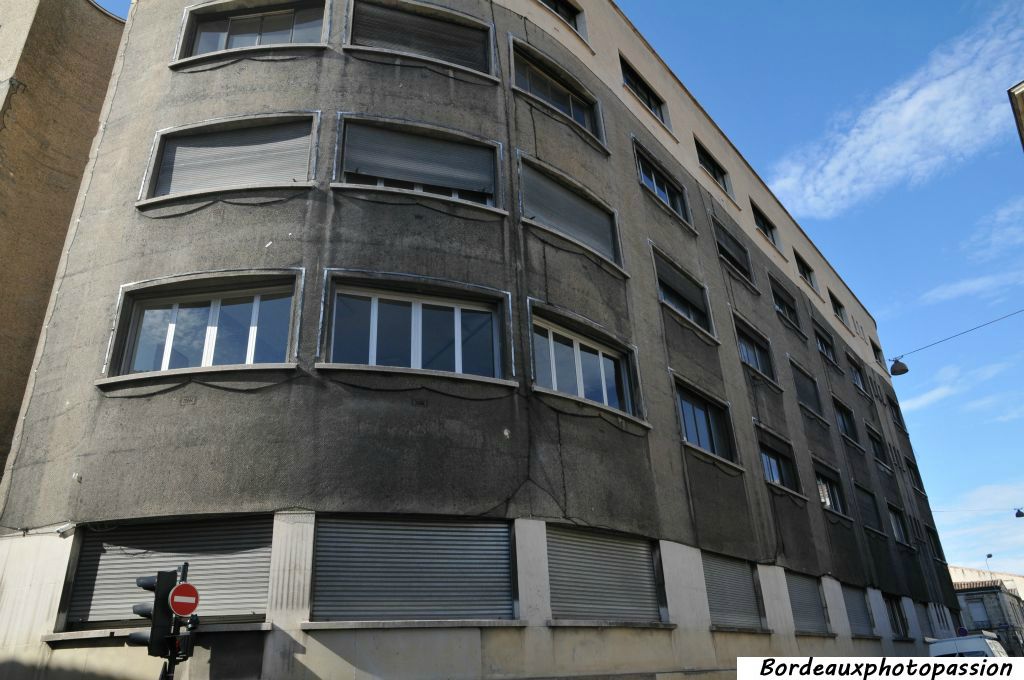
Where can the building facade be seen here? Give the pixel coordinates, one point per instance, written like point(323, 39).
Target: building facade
point(1016, 94)
point(55, 62)
point(992, 606)
point(449, 340)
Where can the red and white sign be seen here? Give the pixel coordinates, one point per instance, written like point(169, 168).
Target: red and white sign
point(184, 599)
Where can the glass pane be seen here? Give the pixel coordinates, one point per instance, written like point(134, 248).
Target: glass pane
point(522, 74)
point(703, 431)
point(277, 29)
point(565, 365)
point(308, 25)
point(478, 343)
point(541, 358)
point(189, 335)
point(394, 333)
point(351, 340)
point(272, 329)
point(151, 338)
point(689, 420)
point(613, 383)
point(233, 331)
point(210, 36)
point(243, 32)
point(722, 444)
point(590, 364)
point(438, 338)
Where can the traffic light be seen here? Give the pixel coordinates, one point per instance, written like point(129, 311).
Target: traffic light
point(159, 612)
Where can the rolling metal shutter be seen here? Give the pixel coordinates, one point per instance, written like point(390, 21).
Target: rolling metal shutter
point(805, 600)
point(732, 596)
point(565, 211)
point(922, 619)
point(600, 576)
point(266, 154)
point(382, 569)
point(857, 611)
point(391, 28)
point(393, 154)
point(229, 562)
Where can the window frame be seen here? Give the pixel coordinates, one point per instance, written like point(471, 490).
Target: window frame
point(935, 543)
point(830, 491)
point(747, 271)
point(723, 410)
point(764, 225)
point(838, 308)
point(820, 411)
point(630, 72)
point(658, 255)
point(876, 437)
point(717, 171)
point(641, 156)
point(747, 334)
point(897, 617)
point(863, 490)
point(843, 414)
point(801, 265)
point(857, 375)
point(898, 524)
point(823, 337)
point(788, 300)
point(578, 24)
point(785, 466)
point(895, 413)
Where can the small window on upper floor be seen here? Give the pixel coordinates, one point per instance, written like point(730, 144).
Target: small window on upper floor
point(806, 389)
point(682, 293)
point(785, 303)
point(838, 308)
point(382, 328)
point(556, 89)
point(754, 350)
point(714, 168)
point(899, 524)
point(644, 92)
point(732, 251)
point(933, 540)
point(897, 617)
point(667, 190)
point(567, 211)
point(569, 13)
point(566, 362)
point(877, 352)
point(779, 468)
point(868, 507)
point(823, 339)
point(878, 449)
point(422, 31)
point(393, 158)
point(846, 421)
point(282, 24)
point(805, 271)
point(706, 424)
point(764, 225)
point(915, 474)
point(830, 491)
point(895, 413)
point(857, 373)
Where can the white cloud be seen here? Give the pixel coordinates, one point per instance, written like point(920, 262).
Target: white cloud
point(930, 397)
point(951, 380)
point(999, 233)
point(988, 286)
point(951, 108)
point(981, 521)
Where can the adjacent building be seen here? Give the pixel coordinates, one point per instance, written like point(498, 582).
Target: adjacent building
point(991, 605)
point(1016, 94)
point(449, 340)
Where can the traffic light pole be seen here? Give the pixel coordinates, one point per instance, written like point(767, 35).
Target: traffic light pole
point(164, 638)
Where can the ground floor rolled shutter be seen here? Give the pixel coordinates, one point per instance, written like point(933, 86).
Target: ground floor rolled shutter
point(923, 620)
point(857, 611)
point(261, 154)
point(732, 595)
point(229, 563)
point(566, 211)
point(389, 569)
point(601, 576)
point(805, 600)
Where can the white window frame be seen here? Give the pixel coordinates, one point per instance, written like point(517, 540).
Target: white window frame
point(210, 341)
point(554, 72)
point(643, 157)
point(416, 325)
point(602, 351)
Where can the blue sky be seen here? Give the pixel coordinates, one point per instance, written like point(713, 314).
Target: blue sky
point(885, 129)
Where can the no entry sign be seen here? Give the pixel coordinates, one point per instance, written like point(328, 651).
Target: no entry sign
point(184, 599)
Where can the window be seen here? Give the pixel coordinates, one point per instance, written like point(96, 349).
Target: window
point(577, 366)
point(546, 84)
point(667, 191)
point(599, 576)
point(733, 593)
point(830, 493)
point(933, 540)
point(249, 326)
point(823, 340)
point(405, 568)
point(895, 413)
point(806, 603)
point(714, 168)
point(806, 389)
point(805, 271)
point(838, 308)
point(915, 474)
point(705, 424)
point(868, 509)
point(764, 225)
point(384, 329)
point(681, 293)
point(899, 525)
point(643, 91)
point(732, 251)
point(897, 617)
point(568, 212)
point(301, 24)
point(754, 351)
point(387, 157)
point(978, 613)
point(857, 610)
point(877, 352)
point(779, 468)
point(857, 373)
point(564, 9)
point(241, 157)
point(846, 421)
point(923, 620)
point(878, 448)
point(785, 303)
point(438, 35)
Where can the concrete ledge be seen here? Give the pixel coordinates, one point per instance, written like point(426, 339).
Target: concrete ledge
point(187, 372)
point(398, 54)
point(420, 623)
point(548, 392)
point(874, 638)
point(811, 633)
point(601, 623)
point(739, 629)
point(426, 195)
point(204, 193)
point(419, 372)
point(244, 52)
point(106, 633)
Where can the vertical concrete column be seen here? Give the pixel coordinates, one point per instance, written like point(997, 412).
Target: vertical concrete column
point(532, 571)
point(686, 595)
point(835, 605)
point(914, 626)
point(288, 600)
point(881, 616)
point(778, 611)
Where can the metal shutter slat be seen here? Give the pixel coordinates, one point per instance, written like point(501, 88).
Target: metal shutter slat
point(398, 155)
point(565, 211)
point(411, 569)
point(732, 597)
point(229, 562)
point(805, 600)
point(597, 576)
point(395, 29)
point(857, 611)
point(267, 154)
